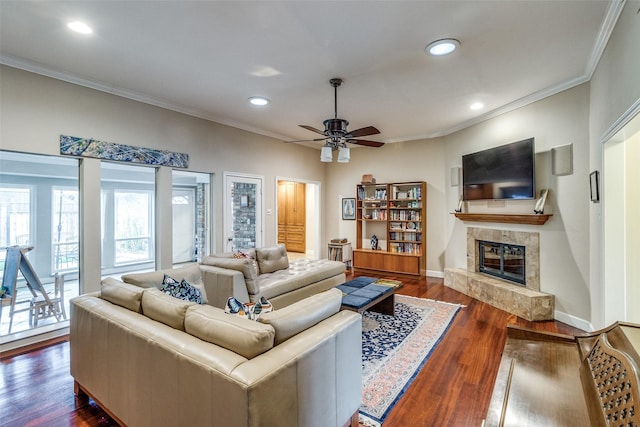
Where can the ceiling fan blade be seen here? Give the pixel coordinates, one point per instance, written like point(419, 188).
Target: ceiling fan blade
point(369, 130)
point(365, 142)
point(312, 129)
point(306, 140)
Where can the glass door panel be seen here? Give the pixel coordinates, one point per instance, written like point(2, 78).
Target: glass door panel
point(243, 212)
point(191, 215)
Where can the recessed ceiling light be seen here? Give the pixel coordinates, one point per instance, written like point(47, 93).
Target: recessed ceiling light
point(477, 106)
point(442, 47)
point(80, 27)
point(259, 101)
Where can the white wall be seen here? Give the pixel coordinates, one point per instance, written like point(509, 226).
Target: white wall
point(420, 160)
point(36, 110)
point(615, 90)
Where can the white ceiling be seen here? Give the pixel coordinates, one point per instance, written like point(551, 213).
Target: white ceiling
point(206, 58)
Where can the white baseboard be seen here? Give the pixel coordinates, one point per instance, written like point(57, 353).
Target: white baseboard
point(433, 273)
point(574, 321)
point(34, 336)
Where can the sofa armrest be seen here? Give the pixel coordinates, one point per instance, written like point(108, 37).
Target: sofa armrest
point(221, 283)
point(322, 364)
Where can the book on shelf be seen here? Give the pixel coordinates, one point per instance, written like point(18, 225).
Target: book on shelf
point(340, 252)
point(339, 240)
point(414, 192)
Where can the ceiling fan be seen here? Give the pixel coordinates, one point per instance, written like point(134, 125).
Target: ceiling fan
point(336, 135)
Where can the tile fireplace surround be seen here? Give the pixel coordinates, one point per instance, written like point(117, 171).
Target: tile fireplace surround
point(523, 301)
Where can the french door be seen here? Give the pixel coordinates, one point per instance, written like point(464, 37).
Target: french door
point(242, 211)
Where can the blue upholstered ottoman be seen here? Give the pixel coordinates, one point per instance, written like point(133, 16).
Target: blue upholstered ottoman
point(369, 293)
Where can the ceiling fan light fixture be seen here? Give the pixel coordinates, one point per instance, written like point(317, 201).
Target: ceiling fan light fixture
point(259, 101)
point(442, 47)
point(344, 155)
point(335, 134)
point(326, 155)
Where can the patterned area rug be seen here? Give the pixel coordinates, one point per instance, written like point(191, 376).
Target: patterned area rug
point(394, 349)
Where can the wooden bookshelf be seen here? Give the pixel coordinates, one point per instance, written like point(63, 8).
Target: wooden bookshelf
point(396, 214)
point(531, 219)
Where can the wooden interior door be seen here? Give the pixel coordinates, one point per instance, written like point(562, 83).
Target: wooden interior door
point(292, 215)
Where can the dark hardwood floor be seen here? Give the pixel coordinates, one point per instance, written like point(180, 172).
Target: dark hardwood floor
point(453, 388)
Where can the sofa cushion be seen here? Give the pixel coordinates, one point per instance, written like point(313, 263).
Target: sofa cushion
point(243, 265)
point(164, 308)
point(181, 289)
point(122, 294)
point(300, 273)
point(242, 336)
point(272, 259)
point(297, 317)
point(153, 279)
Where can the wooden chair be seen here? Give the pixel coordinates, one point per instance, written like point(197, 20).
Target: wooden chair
point(10, 301)
point(40, 308)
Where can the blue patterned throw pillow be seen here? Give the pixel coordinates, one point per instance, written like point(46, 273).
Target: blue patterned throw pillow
point(251, 311)
point(182, 290)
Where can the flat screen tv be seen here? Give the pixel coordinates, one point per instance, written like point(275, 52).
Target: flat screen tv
point(504, 172)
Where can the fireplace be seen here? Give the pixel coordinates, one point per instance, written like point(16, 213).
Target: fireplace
point(528, 242)
point(503, 260)
point(512, 254)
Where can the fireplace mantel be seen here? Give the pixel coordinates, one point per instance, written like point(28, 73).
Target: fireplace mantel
point(532, 219)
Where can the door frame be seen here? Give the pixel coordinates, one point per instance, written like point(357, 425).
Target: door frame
point(192, 213)
point(227, 179)
point(618, 293)
point(313, 217)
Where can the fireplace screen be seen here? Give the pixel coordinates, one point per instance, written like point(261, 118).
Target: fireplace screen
point(502, 260)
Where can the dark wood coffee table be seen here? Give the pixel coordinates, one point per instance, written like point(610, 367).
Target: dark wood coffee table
point(369, 293)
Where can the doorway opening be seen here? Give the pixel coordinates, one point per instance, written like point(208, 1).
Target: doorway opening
point(298, 213)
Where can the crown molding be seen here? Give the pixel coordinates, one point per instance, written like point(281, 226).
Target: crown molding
point(606, 29)
point(22, 64)
point(519, 103)
point(608, 24)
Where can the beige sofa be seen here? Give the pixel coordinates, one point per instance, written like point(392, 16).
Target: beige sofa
point(150, 359)
point(267, 272)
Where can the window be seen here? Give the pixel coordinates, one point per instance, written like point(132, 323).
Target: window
point(15, 217)
point(128, 225)
point(133, 219)
point(39, 208)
